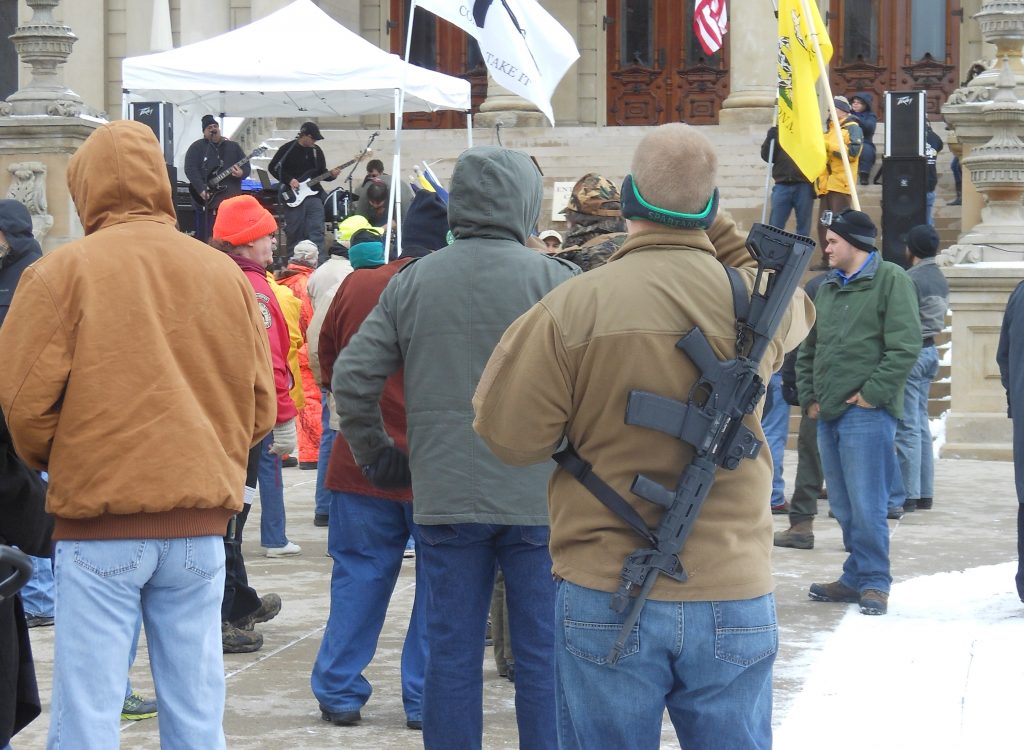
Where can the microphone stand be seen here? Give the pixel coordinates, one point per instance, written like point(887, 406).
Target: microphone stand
point(348, 178)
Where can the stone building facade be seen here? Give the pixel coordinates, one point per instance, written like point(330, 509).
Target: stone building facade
point(639, 61)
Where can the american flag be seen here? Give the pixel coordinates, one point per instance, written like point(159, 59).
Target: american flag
point(710, 22)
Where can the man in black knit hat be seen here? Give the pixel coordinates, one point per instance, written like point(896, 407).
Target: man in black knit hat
point(851, 371)
point(913, 435)
point(206, 157)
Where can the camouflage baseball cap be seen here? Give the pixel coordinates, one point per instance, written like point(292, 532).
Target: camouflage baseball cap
point(594, 195)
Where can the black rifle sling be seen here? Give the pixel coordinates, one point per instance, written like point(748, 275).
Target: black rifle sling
point(570, 460)
point(582, 471)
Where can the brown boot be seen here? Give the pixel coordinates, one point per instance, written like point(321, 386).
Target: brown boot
point(833, 592)
point(798, 536)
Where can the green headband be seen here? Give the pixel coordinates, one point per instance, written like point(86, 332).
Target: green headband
point(635, 207)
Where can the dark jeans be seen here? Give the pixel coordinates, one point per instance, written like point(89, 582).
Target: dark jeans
point(797, 197)
point(203, 219)
point(459, 562)
point(809, 478)
point(305, 222)
point(240, 599)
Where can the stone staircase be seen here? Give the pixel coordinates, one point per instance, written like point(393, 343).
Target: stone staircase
point(566, 153)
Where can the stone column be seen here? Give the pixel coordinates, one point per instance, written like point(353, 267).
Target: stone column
point(989, 120)
point(977, 426)
point(202, 19)
point(510, 110)
point(753, 43)
point(41, 126)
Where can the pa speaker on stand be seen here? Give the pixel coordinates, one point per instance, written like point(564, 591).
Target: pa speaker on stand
point(904, 203)
point(904, 123)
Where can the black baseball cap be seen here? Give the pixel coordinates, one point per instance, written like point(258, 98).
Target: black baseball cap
point(310, 128)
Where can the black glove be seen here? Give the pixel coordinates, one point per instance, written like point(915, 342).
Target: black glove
point(390, 470)
point(789, 395)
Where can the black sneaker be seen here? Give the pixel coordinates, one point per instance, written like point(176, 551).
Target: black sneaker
point(924, 503)
point(910, 505)
point(874, 602)
point(270, 606)
point(237, 641)
point(289, 462)
point(895, 514)
point(414, 724)
point(38, 621)
point(340, 718)
point(321, 519)
point(832, 592)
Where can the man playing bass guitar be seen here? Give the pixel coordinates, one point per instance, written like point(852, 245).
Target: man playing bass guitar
point(292, 164)
point(206, 157)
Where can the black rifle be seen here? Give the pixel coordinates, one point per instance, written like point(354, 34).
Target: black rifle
point(711, 420)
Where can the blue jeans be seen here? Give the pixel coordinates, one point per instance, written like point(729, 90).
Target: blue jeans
point(857, 456)
point(366, 537)
point(272, 520)
point(322, 497)
point(708, 663)
point(775, 423)
point(459, 565)
point(102, 586)
point(797, 197)
point(913, 435)
point(37, 594)
point(931, 205)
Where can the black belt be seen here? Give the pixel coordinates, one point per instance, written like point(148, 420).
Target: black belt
point(928, 341)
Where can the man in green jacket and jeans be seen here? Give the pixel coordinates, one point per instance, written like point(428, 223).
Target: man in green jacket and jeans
point(851, 373)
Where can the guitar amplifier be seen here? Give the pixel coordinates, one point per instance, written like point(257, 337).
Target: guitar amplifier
point(183, 209)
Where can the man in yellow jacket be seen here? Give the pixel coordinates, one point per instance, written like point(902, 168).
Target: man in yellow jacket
point(832, 184)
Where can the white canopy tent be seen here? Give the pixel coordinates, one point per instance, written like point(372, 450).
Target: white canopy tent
point(295, 62)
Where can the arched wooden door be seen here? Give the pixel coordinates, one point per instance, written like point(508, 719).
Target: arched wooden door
point(657, 70)
point(895, 45)
point(438, 45)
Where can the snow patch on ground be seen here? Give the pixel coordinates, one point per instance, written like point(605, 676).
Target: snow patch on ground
point(942, 670)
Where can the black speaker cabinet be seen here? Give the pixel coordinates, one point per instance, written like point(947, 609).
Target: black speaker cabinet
point(904, 123)
point(904, 203)
point(159, 116)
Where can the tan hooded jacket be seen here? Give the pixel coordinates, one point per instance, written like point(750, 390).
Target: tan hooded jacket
point(566, 367)
point(136, 369)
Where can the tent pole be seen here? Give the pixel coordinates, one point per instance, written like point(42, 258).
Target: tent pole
point(124, 104)
point(469, 129)
point(396, 173)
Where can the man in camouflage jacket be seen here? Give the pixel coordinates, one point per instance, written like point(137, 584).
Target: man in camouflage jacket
point(596, 228)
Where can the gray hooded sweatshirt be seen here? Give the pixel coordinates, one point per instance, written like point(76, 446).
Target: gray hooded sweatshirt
point(441, 318)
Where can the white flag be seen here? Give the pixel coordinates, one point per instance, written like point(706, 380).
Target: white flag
point(526, 50)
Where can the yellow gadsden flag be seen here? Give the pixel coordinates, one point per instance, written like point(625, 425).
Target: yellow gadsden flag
point(800, 133)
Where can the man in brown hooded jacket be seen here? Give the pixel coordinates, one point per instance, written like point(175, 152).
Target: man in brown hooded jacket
point(137, 373)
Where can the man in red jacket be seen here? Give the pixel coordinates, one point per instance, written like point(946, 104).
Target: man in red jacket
point(370, 522)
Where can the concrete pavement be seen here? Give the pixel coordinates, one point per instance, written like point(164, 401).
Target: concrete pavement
point(270, 706)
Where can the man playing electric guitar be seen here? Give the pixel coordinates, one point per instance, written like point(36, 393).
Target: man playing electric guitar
point(204, 158)
point(292, 164)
